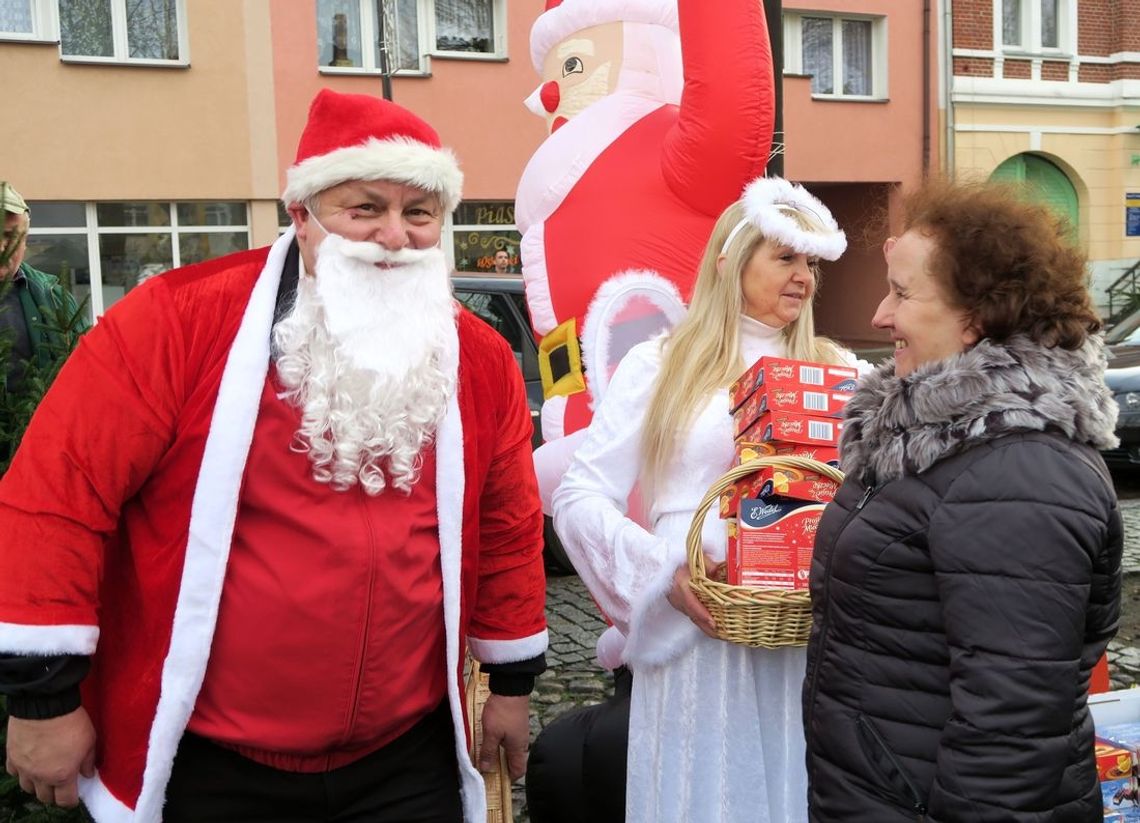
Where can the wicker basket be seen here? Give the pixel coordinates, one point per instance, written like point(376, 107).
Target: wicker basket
point(498, 782)
point(761, 618)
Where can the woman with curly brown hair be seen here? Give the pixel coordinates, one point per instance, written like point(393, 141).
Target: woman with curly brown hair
point(967, 576)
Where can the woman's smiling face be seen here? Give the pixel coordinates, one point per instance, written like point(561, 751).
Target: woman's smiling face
point(924, 326)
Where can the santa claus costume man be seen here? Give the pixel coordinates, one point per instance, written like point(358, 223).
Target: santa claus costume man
point(264, 511)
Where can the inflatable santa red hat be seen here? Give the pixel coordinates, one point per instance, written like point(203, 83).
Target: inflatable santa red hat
point(564, 17)
point(360, 137)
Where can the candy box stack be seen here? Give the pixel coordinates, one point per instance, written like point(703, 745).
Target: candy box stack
point(782, 407)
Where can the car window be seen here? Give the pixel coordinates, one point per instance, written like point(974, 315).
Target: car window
point(496, 311)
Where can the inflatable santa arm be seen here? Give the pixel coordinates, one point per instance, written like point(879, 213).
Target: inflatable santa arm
point(724, 133)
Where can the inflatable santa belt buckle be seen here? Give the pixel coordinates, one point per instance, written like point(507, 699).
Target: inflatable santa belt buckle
point(560, 362)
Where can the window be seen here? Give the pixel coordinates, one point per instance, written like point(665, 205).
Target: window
point(845, 56)
point(27, 20)
point(150, 31)
point(352, 33)
point(1033, 25)
point(106, 249)
point(479, 228)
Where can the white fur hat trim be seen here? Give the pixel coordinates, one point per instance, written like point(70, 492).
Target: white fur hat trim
point(398, 158)
point(556, 24)
point(767, 201)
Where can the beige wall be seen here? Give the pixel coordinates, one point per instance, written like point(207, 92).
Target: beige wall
point(95, 132)
point(1088, 144)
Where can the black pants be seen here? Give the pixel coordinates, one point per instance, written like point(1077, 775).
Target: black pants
point(413, 778)
point(576, 771)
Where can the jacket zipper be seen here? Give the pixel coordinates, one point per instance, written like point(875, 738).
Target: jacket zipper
point(917, 805)
point(827, 609)
point(358, 676)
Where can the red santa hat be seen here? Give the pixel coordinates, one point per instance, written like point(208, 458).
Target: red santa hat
point(360, 137)
point(564, 17)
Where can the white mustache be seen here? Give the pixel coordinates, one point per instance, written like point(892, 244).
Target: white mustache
point(376, 254)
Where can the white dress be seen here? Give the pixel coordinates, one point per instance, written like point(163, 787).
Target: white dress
point(715, 728)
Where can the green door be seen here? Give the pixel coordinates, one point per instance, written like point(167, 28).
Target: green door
point(1046, 184)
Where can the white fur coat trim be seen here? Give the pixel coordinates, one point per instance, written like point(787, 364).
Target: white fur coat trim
point(21, 638)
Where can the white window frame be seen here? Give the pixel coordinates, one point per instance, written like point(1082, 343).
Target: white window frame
point(499, 17)
point(1030, 24)
point(45, 26)
point(92, 231)
point(120, 47)
point(369, 32)
point(793, 51)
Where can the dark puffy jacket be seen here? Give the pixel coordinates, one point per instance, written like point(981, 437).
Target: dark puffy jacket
point(965, 581)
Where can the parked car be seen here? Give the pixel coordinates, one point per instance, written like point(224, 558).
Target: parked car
point(498, 299)
point(1123, 377)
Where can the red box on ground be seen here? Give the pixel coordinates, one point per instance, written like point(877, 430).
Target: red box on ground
point(769, 371)
point(770, 543)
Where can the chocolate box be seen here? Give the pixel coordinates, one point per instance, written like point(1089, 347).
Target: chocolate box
point(770, 543)
point(1112, 760)
point(789, 427)
point(797, 484)
point(816, 402)
point(768, 371)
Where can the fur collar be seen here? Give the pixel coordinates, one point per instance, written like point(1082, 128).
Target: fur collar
point(904, 425)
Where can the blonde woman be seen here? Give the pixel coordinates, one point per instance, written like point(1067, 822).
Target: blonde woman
point(715, 732)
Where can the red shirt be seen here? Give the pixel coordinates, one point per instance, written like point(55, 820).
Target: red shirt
point(330, 636)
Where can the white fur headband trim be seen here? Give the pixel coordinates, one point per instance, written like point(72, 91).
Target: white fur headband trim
point(400, 159)
point(767, 201)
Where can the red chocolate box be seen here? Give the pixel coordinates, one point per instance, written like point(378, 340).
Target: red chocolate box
point(769, 371)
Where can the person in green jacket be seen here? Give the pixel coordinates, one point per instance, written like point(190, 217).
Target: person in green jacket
point(31, 301)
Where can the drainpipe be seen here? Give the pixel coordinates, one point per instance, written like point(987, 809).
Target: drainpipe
point(773, 13)
point(925, 87)
point(947, 81)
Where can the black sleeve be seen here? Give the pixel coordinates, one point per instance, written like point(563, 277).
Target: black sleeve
point(39, 688)
point(514, 679)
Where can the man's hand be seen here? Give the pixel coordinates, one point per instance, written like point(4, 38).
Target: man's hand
point(682, 598)
point(47, 756)
point(506, 723)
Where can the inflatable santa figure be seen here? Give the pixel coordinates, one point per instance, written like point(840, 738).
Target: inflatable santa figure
point(659, 112)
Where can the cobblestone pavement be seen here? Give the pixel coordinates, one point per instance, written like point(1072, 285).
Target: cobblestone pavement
point(575, 679)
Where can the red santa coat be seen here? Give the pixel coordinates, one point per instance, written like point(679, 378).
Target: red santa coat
point(118, 510)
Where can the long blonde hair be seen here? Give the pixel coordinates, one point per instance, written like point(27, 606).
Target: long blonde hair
point(702, 353)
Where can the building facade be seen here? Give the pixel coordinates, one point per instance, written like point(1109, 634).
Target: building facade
point(1048, 92)
point(154, 134)
point(156, 138)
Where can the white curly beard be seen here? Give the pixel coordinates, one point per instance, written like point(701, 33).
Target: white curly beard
point(361, 355)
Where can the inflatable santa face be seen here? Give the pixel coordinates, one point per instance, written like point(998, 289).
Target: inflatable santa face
point(645, 150)
point(579, 71)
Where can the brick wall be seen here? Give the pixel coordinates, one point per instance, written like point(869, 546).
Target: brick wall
point(973, 67)
point(1054, 70)
point(1098, 26)
point(1017, 70)
point(973, 24)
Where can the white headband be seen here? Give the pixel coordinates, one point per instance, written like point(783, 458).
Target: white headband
point(767, 203)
